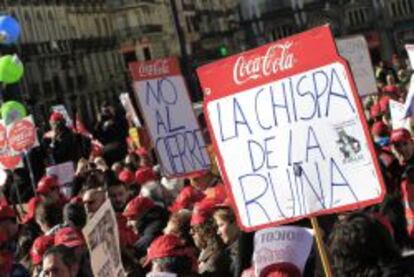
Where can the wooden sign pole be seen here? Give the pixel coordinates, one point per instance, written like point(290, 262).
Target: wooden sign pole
point(321, 247)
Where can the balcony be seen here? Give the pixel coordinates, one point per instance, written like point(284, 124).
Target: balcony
point(138, 31)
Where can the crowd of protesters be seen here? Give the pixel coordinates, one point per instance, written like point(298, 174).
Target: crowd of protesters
point(187, 226)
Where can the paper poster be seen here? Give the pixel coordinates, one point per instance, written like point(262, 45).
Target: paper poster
point(355, 50)
point(409, 100)
point(22, 135)
point(101, 235)
point(289, 131)
point(129, 108)
point(65, 173)
point(398, 119)
point(62, 110)
point(169, 117)
point(285, 244)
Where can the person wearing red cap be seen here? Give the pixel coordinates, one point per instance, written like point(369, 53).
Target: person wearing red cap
point(48, 189)
point(211, 260)
point(119, 195)
point(168, 254)
point(127, 177)
point(147, 220)
point(39, 247)
point(380, 133)
point(402, 146)
point(63, 144)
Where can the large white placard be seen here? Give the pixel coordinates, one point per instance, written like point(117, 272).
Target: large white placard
point(170, 120)
point(355, 50)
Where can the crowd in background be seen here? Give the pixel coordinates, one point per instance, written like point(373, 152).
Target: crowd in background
point(187, 226)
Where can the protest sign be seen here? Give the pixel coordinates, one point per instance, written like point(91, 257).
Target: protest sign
point(8, 160)
point(65, 173)
point(169, 117)
point(21, 135)
point(289, 131)
point(409, 100)
point(62, 110)
point(355, 50)
point(398, 119)
point(101, 235)
point(129, 108)
point(285, 244)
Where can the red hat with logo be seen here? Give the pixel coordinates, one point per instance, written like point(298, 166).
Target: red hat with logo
point(138, 206)
point(31, 209)
point(46, 184)
point(144, 175)
point(69, 237)
point(39, 247)
point(380, 129)
point(281, 270)
point(126, 176)
point(56, 116)
point(202, 211)
point(6, 212)
point(186, 199)
point(400, 135)
point(165, 246)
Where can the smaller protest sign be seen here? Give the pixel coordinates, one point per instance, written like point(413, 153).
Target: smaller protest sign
point(101, 235)
point(355, 50)
point(398, 119)
point(129, 108)
point(62, 110)
point(285, 244)
point(409, 100)
point(21, 135)
point(65, 173)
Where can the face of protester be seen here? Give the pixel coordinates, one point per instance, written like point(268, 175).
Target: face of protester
point(53, 266)
point(118, 196)
point(227, 231)
point(403, 151)
point(92, 200)
point(53, 195)
point(199, 242)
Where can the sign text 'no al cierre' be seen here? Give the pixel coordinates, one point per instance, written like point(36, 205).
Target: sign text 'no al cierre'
point(169, 117)
point(288, 127)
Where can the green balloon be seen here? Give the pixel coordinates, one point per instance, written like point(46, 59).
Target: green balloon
point(11, 69)
point(12, 111)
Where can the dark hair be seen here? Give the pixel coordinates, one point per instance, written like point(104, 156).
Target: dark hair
point(49, 213)
point(74, 214)
point(94, 179)
point(66, 254)
point(208, 232)
point(359, 245)
point(178, 265)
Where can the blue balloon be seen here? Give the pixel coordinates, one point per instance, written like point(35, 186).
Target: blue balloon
point(9, 29)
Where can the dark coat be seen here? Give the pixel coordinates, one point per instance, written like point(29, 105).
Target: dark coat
point(150, 227)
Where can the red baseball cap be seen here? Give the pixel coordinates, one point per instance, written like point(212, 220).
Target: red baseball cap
point(138, 206)
point(31, 209)
point(6, 212)
point(56, 116)
point(145, 174)
point(126, 176)
point(400, 135)
point(46, 184)
point(165, 246)
point(202, 211)
point(281, 270)
point(380, 129)
point(69, 237)
point(39, 247)
point(186, 199)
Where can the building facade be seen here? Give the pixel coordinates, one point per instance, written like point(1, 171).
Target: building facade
point(386, 24)
point(69, 53)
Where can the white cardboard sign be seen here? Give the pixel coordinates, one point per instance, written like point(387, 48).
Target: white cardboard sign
point(169, 117)
point(285, 244)
point(398, 119)
point(129, 108)
point(355, 50)
point(289, 131)
point(102, 237)
point(62, 110)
